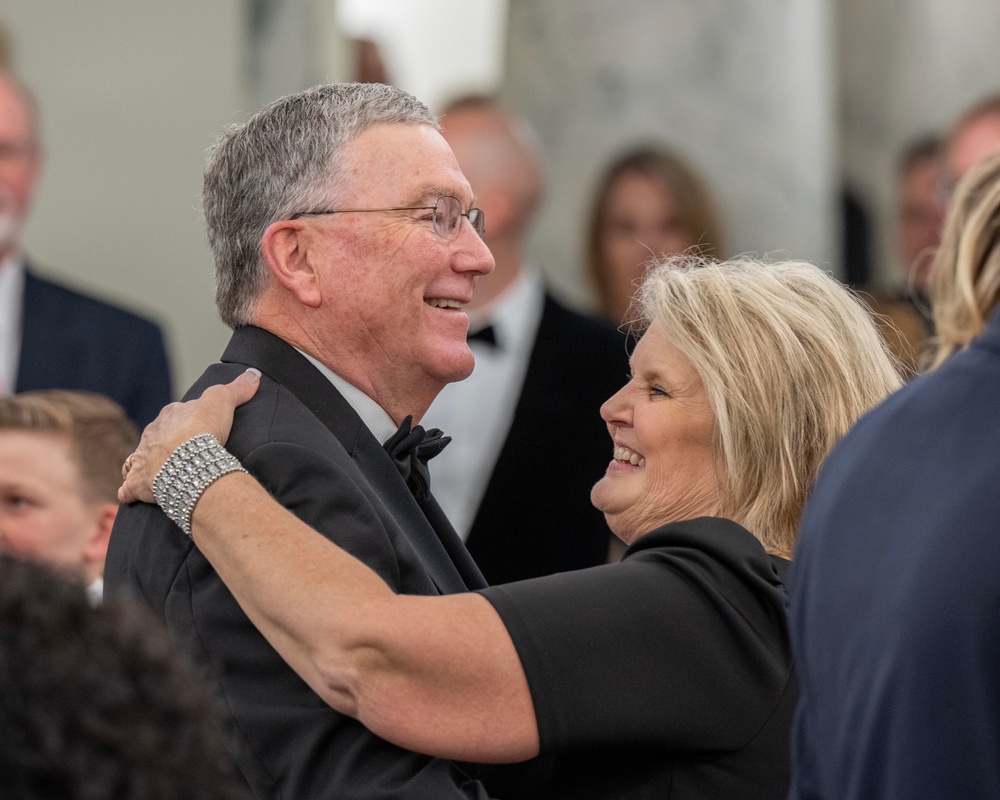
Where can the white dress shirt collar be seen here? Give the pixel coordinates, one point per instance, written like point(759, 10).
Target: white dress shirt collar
point(11, 310)
point(376, 418)
point(95, 592)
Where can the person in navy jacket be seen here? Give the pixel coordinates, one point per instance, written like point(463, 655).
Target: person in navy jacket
point(894, 592)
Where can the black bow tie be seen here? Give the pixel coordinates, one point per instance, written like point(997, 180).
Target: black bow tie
point(411, 450)
point(486, 335)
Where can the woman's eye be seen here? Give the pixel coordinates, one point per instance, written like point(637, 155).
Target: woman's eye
point(658, 391)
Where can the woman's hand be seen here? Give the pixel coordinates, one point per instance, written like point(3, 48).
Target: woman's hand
point(178, 422)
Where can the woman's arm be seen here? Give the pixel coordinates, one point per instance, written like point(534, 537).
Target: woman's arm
point(438, 675)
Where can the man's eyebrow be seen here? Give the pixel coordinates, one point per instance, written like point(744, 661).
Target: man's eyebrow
point(430, 194)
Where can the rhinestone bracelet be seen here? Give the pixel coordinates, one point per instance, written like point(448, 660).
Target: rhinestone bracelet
point(191, 469)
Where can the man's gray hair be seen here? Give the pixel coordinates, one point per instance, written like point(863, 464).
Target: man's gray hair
point(284, 159)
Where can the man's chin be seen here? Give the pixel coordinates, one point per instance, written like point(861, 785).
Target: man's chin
point(459, 366)
point(459, 375)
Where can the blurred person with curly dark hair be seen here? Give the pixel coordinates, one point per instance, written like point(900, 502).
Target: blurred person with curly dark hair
point(96, 703)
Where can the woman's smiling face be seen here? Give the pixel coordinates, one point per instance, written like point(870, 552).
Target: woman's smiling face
point(665, 467)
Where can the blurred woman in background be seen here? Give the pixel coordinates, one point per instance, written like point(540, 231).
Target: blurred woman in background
point(649, 203)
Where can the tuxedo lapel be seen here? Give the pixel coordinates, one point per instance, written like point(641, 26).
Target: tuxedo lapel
point(453, 545)
point(39, 335)
point(432, 536)
point(431, 533)
point(284, 364)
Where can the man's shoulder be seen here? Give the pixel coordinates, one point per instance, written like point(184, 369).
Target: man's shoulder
point(280, 442)
point(69, 303)
point(273, 416)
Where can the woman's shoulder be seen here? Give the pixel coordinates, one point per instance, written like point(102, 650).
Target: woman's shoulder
point(718, 535)
point(711, 542)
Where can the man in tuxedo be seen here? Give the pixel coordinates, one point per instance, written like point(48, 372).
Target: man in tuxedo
point(973, 136)
point(346, 246)
point(52, 337)
point(529, 442)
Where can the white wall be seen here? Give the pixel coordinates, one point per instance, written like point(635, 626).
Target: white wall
point(742, 89)
point(434, 49)
point(131, 95)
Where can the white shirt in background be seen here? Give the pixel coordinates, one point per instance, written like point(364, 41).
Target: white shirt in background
point(11, 306)
point(477, 412)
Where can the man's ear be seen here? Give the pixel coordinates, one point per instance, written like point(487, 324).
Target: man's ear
point(286, 247)
point(95, 551)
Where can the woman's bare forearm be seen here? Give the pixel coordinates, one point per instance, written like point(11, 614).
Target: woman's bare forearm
point(438, 675)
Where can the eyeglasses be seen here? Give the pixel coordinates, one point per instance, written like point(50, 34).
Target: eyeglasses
point(446, 215)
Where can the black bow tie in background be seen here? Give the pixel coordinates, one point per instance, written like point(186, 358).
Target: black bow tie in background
point(486, 335)
point(411, 449)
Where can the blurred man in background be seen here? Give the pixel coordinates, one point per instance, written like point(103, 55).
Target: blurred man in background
point(975, 134)
point(528, 441)
point(920, 212)
point(52, 337)
point(60, 467)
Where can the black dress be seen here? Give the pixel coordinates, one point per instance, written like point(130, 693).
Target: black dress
point(668, 675)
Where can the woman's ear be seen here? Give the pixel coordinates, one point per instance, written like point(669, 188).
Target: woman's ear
point(286, 245)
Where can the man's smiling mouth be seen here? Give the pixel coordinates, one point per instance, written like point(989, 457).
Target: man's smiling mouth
point(443, 302)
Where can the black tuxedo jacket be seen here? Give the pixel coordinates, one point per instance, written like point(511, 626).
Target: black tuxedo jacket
point(308, 447)
point(73, 341)
point(536, 517)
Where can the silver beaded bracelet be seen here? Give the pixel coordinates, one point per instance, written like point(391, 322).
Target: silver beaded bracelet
point(191, 469)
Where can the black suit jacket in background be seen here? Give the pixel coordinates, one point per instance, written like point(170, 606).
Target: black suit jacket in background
point(72, 341)
point(536, 517)
point(308, 447)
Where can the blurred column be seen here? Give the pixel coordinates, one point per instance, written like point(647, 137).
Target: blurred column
point(292, 45)
point(742, 88)
point(6, 49)
point(907, 67)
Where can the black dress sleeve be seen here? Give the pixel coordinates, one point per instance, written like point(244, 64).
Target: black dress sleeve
point(681, 647)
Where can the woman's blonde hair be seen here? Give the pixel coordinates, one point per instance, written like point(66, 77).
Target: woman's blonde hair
point(789, 358)
point(964, 282)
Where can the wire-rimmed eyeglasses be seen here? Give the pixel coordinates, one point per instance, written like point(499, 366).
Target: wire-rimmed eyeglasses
point(446, 215)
